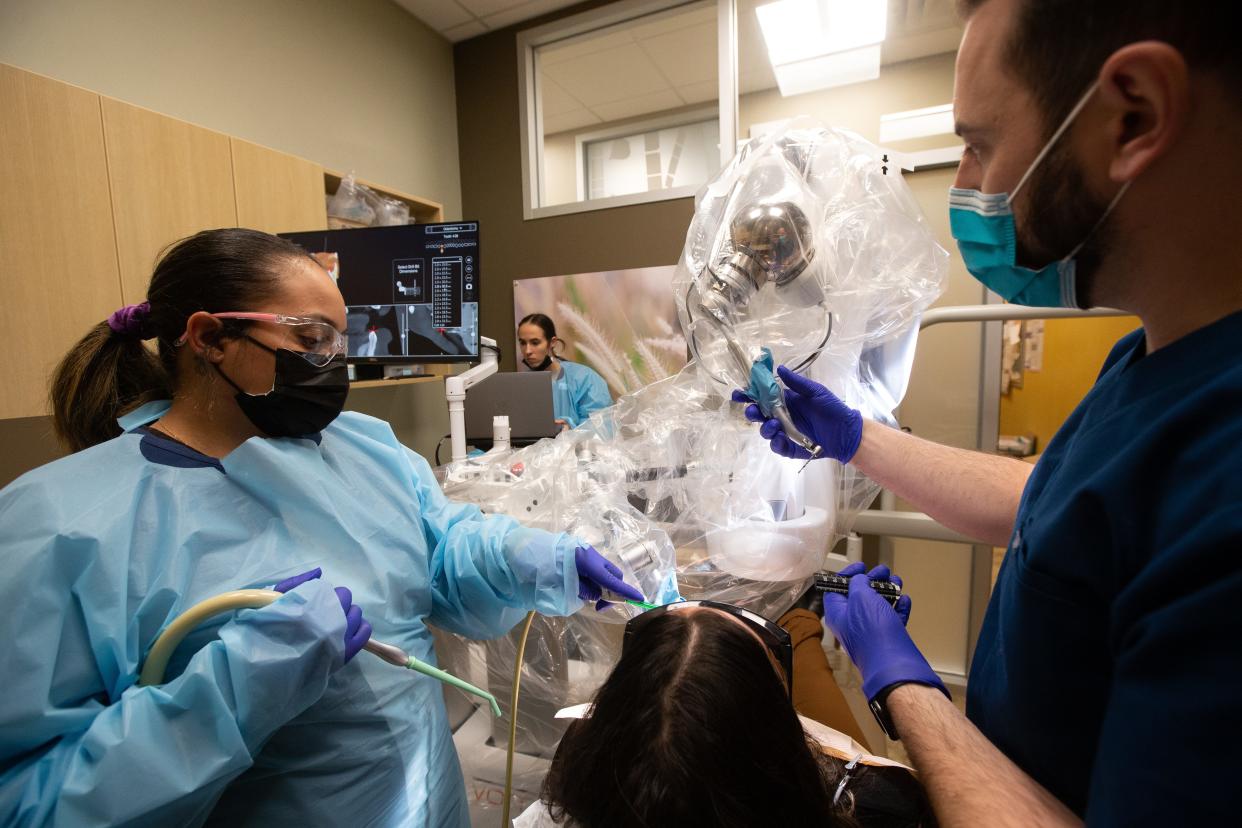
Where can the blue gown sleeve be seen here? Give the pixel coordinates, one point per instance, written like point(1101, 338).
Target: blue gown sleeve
point(487, 571)
point(590, 395)
point(1167, 743)
point(161, 755)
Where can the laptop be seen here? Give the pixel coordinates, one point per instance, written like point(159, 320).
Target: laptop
point(524, 396)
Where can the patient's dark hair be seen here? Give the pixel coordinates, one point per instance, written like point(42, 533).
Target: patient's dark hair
point(693, 727)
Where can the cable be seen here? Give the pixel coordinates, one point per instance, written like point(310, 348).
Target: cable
point(513, 711)
point(162, 650)
point(440, 443)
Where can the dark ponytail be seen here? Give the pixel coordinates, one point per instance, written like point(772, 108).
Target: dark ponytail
point(110, 371)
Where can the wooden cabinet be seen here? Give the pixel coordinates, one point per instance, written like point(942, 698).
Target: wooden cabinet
point(95, 189)
point(277, 193)
point(58, 262)
point(169, 180)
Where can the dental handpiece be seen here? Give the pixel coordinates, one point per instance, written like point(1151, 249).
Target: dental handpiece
point(781, 413)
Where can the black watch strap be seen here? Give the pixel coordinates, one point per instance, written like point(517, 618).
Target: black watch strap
point(879, 709)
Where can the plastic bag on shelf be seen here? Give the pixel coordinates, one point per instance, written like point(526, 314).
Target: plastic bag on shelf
point(389, 212)
point(348, 207)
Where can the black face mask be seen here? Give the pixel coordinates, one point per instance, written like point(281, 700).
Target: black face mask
point(304, 398)
point(543, 366)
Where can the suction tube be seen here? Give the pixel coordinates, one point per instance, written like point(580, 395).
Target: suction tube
point(157, 659)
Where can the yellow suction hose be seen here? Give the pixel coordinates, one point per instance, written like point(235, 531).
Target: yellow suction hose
point(162, 650)
point(513, 709)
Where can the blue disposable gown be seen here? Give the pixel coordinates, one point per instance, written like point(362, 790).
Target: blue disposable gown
point(577, 392)
point(258, 723)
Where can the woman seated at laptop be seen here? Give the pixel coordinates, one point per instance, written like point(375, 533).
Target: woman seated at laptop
point(576, 389)
point(696, 725)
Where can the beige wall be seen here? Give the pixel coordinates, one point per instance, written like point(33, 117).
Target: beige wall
point(560, 164)
point(356, 85)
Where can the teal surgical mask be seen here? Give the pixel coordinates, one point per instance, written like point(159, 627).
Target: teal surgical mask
point(983, 225)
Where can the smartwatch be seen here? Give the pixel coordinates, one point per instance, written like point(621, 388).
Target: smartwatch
point(879, 707)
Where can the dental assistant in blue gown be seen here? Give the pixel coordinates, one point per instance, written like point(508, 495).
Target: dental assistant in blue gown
point(576, 389)
point(233, 467)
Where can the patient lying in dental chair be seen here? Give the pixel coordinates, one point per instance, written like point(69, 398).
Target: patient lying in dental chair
point(717, 716)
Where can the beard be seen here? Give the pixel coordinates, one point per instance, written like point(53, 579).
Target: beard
point(1062, 213)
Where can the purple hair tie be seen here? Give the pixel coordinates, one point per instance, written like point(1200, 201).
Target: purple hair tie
point(131, 320)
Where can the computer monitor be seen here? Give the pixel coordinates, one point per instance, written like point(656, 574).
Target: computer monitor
point(411, 292)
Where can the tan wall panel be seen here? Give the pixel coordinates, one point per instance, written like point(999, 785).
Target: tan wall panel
point(56, 242)
point(169, 180)
point(277, 192)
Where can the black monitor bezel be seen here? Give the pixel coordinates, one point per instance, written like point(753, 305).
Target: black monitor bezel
point(415, 360)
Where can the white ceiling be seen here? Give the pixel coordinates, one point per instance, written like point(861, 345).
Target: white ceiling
point(666, 63)
point(462, 19)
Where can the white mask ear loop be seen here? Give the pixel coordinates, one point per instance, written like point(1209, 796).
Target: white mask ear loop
point(1052, 142)
point(1103, 216)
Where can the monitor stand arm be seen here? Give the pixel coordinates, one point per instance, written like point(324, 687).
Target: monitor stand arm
point(455, 388)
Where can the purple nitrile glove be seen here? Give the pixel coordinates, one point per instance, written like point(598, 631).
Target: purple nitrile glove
point(357, 629)
point(874, 633)
point(297, 580)
point(595, 572)
point(817, 412)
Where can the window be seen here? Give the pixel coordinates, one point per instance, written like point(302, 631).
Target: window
point(621, 106)
point(673, 157)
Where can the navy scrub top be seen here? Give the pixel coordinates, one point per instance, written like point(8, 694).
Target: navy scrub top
point(1109, 666)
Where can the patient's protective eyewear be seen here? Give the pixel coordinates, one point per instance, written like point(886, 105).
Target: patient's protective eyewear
point(776, 639)
point(314, 340)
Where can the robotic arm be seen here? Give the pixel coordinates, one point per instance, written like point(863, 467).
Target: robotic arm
point(766, 243)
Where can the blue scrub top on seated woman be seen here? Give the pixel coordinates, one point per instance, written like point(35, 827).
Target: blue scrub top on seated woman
point(577, 392)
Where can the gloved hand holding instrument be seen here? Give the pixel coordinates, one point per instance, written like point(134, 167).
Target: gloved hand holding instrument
point(357, 629)
point(599, 580)
point(357, 633)
point(816, 412)
point(874, 635)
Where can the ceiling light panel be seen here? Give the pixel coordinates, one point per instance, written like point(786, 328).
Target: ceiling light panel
point(827, 71)
point(796, 30)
